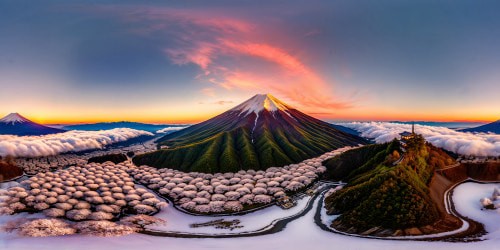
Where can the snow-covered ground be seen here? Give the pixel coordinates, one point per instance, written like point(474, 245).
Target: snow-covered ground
point(466, 197)
point(180, 222)
point(299, 234)
point(9, 184)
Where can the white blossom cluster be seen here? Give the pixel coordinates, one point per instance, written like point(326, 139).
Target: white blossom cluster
point(57, 227)
point(45, 164)
point(45, 227)
point(91, 192)
point(333, 190)
point(230, 192)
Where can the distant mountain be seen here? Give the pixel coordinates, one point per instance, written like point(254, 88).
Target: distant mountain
point(450, 125)
point(493, 127)
point(153, 128)
point(260, 133)
point(346, 129)
point(16, 124)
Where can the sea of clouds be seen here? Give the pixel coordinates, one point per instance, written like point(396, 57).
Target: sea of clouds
point(71, 141)
point(170, 129)
point(478, 144)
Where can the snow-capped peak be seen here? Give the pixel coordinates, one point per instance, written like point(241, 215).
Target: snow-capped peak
point(261, 102)
point(14, 118)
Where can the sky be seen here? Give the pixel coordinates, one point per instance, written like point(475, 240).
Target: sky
point(186, 61)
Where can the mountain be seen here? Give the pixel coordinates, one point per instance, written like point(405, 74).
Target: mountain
point(257, 134)
point(153, 128)
point(346, 129)
point(493, 127)
point(450, 125)
point(386, 192)
point(16, 124)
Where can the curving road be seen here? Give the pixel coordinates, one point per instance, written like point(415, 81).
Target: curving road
point(275, 226)
point(471, 232)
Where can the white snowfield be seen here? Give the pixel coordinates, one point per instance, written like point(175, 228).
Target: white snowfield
point(180, 222)
point(466, 198)
point(299, 234)
point(14, 118)
point(261, 102)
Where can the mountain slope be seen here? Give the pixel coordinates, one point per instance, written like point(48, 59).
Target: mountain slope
point(259, 133)
point(9, 170)
point(16, 124)
point(381, 195)
point(153, 128)
point(493, 127)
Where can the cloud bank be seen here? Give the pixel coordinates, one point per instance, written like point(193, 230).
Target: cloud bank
point(34, 146)
point(169, 129)
point(480, 144)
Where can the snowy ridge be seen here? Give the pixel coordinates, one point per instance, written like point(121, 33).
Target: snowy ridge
point(260, 102)
point(14, 118)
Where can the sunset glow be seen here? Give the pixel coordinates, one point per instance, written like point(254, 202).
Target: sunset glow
point(245, 124)
point(183, 63)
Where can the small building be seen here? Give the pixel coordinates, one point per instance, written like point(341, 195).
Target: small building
point(311, 191)
point(286, 202)
point(406, 136)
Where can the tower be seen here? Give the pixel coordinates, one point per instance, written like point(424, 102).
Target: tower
point(413, 128)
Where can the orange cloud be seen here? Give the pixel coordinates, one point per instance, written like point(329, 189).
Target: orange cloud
point(269, 53)
point(306, 94)
point(227, 49)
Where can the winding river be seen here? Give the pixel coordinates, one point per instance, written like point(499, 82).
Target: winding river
point(470, 230)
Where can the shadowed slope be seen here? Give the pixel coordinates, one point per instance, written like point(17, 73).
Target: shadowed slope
point(259, 133)
point(381, 195)
point(493, 127)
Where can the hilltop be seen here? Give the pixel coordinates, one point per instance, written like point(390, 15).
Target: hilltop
point(259, 133)
point(385, 198)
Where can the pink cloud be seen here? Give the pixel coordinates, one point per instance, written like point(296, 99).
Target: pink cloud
point(207, 39)
point(307, 95)
point(200, 55)
point(270, 53)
